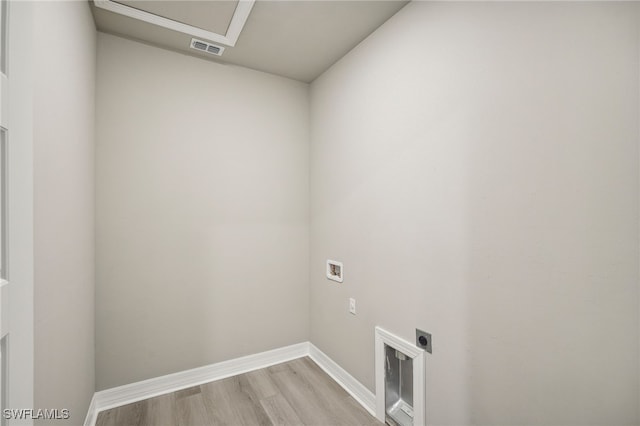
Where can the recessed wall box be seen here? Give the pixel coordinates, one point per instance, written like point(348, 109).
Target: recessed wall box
point(400, 381)
point(335, 270)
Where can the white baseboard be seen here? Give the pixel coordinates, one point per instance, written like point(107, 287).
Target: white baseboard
point(92, 413)
point(357, 390)
point(122, 395)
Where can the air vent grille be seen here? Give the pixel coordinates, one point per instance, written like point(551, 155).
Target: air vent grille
point(199, 45)
point(205, 47)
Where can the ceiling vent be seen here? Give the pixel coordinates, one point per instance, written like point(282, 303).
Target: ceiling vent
point(205, 47)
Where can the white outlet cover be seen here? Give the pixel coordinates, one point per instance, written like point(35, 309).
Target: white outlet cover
point(335, 270)
point(352, 305)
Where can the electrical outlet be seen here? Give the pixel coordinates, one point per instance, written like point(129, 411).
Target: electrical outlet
point(423, 340)
point(352, 305)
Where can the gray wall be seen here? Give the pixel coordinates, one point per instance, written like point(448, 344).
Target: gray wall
point(475, 167)
point(202, 212)
point(64, 133)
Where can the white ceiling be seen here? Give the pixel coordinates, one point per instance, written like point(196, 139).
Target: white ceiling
point(294, 39)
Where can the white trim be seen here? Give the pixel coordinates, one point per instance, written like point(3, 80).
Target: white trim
point(4, 309)
point(20, 193)
point(399, 343)
point(138, 391)
point(357, 390)
point(384, 337)
point(92, 413)
point(240, 16)
point(4, 100)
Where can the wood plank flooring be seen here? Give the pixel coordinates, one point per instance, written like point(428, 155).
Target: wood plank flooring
point(294, 393)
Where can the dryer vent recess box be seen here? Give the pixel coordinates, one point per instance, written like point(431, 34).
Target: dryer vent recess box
point(335, 270)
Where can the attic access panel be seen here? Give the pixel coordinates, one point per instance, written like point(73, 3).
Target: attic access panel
point(214, 16)
point(195, 20)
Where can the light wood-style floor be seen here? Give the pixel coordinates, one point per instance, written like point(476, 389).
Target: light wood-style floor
point(297, 392)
